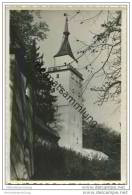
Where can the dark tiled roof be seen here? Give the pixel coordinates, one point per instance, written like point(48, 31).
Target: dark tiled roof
point(65, 48)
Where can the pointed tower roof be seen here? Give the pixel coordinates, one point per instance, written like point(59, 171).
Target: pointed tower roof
point(65, 48)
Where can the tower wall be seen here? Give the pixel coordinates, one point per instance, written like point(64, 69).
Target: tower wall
point(64, 60)
point(70, 119)
point(70, 79)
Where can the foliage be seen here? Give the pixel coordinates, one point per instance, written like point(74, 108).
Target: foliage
point(103, 139)
point(63, 164)
point(23, 29)
point(23, 33)
point(28, 63)
point(44, 101)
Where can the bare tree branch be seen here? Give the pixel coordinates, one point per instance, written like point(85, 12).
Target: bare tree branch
point(91, 17)
point(108, 41)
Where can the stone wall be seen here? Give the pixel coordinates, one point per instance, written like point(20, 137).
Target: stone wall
point(21, 149)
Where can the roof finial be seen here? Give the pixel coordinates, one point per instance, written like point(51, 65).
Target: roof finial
point(66, 31)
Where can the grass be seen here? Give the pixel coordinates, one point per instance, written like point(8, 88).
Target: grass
point(62, 164)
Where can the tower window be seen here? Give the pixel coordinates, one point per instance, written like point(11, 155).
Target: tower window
point(77, 80)
point(57, 76)
point(73, 91)
point(79, 95)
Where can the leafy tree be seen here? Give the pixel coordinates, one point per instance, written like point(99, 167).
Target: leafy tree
point(44, 101)
point(23, 29)
point(103, 139)
point(106, 44)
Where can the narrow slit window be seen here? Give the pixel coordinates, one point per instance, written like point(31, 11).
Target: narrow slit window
point(57, 76)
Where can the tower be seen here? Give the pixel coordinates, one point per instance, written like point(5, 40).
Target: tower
point(70, 81)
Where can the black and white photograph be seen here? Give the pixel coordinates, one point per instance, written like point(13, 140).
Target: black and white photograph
point(66, 94)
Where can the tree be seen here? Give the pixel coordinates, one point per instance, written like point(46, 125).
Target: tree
point(103, 139)
point(44, 101)
point(24, 30)
point(108, 44)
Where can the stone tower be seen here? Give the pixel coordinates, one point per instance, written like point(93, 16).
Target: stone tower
point(71, 80)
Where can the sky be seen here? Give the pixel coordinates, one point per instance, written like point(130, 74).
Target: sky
point(108, 113)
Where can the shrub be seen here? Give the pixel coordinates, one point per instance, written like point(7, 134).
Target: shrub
point(63, 164)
